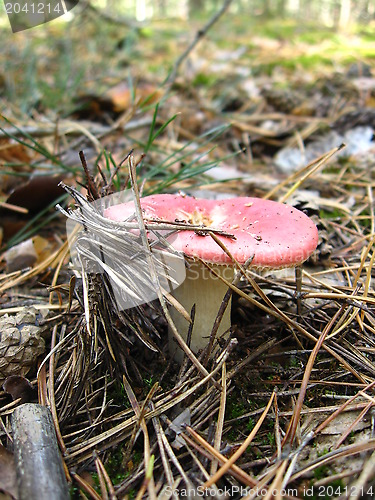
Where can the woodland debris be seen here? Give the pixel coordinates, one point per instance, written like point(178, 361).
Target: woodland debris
point(40, 472)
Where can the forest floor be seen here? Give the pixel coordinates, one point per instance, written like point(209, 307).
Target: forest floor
point(257, 108)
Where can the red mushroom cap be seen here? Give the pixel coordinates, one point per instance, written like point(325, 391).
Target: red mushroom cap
point(276, 234)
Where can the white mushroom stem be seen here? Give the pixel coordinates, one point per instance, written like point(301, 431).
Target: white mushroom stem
point(206, 291)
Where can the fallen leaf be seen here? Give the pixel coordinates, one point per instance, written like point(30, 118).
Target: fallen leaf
point(116, 100)
point(20, 387)
point(121, 95)
point(14, 152)
point(27, 253)
point(37, 193)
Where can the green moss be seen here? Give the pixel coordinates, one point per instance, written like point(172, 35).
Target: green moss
point(321, 472)
point(277, 29)
point(250, 424)
point(314, 37)
point(147, 32)
point(235, 409)
point(204, 80)
point(335, 213)
point(271, 438)
point(294, 362)
point(115, 467)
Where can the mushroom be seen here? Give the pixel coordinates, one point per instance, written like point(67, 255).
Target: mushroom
point(275, 234)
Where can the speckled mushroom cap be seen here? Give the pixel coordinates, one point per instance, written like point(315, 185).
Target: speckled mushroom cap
point(276, 234)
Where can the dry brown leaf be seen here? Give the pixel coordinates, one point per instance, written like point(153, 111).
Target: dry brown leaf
point(14, 152)
point(37, 193)
point(20, 388)
point(122, 98)
point(27, 253)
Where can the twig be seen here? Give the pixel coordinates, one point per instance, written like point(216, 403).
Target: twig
point(198, 36)
point(91, 187)
point(220, 419)
point(40, 471)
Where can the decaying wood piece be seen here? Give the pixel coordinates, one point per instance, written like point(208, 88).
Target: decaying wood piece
point(39, 467)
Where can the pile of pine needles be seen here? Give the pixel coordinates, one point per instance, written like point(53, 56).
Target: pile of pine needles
point(287, 407)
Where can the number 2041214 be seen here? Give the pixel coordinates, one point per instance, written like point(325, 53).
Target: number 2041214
point(33, 8)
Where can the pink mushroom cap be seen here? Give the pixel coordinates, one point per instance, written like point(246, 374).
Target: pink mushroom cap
point(278, 235)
